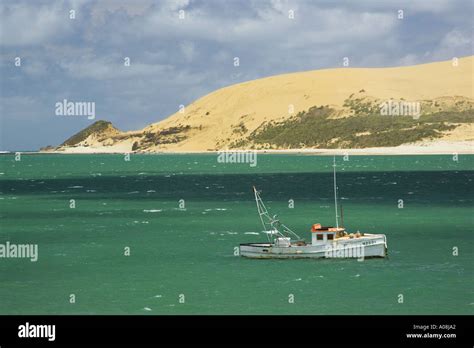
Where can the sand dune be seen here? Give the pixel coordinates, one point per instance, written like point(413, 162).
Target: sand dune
point(212, 119)
point(270, 98)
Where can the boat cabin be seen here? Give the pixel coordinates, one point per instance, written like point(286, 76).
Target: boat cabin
point(323, 234)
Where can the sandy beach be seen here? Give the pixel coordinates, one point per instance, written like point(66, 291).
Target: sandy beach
point(424, 148)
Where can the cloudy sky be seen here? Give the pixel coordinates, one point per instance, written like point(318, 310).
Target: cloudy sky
point(175, 60)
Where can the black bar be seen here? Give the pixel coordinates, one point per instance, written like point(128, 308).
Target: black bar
point(242, 330)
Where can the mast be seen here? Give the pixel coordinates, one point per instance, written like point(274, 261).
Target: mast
point(342, 215)
point(262, 211)
point(335, 191)
point(271, 224)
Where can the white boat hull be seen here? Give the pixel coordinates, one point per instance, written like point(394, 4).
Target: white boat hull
point(368, 246)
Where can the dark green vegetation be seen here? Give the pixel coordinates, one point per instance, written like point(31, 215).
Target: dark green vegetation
point(169, 135)
point(361, 106)
point(103, 129)
point(315, 128)
point(240, 128)
point(97, 127)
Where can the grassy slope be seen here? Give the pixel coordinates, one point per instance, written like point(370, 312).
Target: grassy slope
point(97, 127)
point(315, 128)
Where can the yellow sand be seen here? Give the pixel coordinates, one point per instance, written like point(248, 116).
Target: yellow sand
point(214, 116)
point(271, 98)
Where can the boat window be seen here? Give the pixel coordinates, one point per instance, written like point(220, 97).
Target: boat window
point(319, 236)
point(330, 236)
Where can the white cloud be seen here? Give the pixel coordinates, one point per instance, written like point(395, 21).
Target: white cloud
point(409, 59)
point(26, 24)
point(103, 68)
point(454, 44)
point(103, 8)
point(19, 107)
point(188, 50)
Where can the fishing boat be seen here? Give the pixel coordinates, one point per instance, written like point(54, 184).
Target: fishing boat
point(326, 241)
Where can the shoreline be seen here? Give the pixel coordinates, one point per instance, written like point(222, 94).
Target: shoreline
point(437, 148)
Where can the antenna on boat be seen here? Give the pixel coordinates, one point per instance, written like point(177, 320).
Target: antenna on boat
point(335, 191)
point(260, 207)
point(342, 215)
point(271, 225)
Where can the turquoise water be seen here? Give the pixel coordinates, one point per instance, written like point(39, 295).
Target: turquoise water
point(190, 250)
